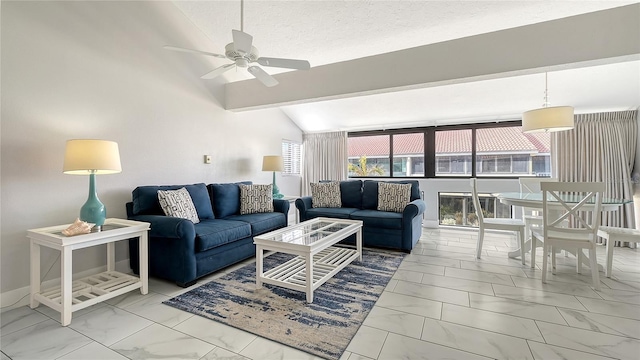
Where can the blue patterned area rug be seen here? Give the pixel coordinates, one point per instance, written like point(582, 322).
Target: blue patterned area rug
point(323, 328)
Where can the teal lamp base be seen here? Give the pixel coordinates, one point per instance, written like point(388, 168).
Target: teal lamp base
point(276, 192)
point(93, 211)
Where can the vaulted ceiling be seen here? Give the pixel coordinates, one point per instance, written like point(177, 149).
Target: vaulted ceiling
point(330, 32)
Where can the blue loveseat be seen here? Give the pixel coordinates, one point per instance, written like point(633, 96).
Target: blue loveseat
point(182, 251)
point(380, 228)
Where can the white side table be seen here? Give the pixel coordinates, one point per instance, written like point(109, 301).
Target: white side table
point(71, 295)
point(292, 205)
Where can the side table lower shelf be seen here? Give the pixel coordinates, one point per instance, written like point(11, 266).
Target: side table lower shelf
point(90, 290)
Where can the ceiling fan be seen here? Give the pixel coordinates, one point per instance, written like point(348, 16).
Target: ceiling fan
point(243, 53)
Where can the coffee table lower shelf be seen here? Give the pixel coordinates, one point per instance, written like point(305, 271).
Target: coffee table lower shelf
point(326, 263)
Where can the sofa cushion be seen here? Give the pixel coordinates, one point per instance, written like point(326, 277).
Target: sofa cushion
point(216, 232)
point(178, 203)
point(393, 197)
point(226, 198)
point(262, 222)
point(370, 192)
point(325, 195)
point(340, 213)
point(256, 199)
point(351, 193)
point(378, 219)
point(145, 199)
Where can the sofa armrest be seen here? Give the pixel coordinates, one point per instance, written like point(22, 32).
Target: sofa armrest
point(281, 206)
point(168, 227)
point(412, 224)
point(171, 249)
point(414, 208)
point(303, 204)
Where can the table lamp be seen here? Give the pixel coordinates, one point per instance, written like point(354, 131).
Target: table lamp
point(92, 157)
point(273, 163)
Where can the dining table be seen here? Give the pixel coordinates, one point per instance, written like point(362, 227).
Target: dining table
point(534, 200)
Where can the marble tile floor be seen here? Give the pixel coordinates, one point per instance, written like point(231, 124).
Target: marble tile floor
point(441, 304)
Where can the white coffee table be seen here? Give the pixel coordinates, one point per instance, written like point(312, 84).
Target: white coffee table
point(316, 261)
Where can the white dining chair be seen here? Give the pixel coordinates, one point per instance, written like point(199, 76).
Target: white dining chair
point(532, 217)
point(494, 224)
point(612, 234)
point(568, 201)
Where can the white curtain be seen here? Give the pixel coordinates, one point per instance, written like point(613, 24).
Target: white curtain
point(601, 148)
point(325, 158)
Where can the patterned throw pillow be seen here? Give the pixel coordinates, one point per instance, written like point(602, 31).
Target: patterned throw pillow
point(326, 195)
point(393, 197)
point(178, 203)
point(256, 199)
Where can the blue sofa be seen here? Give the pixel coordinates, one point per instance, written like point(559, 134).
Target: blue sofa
point(182, 251)
point(380, 228)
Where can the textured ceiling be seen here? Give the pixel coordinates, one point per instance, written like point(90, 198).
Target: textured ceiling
point(326, 32)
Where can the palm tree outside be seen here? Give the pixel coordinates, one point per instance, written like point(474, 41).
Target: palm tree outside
point(363, 169)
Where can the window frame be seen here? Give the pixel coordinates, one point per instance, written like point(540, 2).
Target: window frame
point(430, 161)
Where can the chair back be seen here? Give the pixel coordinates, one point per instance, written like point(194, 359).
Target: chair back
point(578, 202)
point(531, 185)
point(476, 201)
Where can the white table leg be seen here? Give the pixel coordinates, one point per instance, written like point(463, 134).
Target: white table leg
point(309, 282)
point(359, 243)
point(35, 274)
point(259, 266)
point(111, 256)
point(610, 244)
point(66, 285)
point(143, 249)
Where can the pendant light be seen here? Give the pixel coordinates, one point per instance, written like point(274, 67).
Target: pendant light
point(547, 118)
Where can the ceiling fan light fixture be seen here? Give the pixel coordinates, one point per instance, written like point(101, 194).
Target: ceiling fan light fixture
point(548, 118)
point(243, 54)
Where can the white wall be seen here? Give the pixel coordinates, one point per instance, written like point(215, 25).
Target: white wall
point(98, 70)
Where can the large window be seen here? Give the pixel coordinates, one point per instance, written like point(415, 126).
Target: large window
point(369, 156)
point(292, 157)
point(476, 150)
point(453, 152)
point(408, 154)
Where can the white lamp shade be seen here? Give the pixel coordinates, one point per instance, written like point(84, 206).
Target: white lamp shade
point(272, 163)
point(84, 157)
point(558, 118)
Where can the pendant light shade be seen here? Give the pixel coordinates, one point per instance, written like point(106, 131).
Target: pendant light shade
point(547, 118)
point(556, 118)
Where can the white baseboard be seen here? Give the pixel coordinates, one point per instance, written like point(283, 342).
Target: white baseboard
point(20, 297)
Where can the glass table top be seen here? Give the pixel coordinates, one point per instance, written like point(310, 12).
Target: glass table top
point(568, 197)
point(309, 232)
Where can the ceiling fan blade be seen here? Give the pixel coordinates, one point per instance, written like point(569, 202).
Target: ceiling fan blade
point(284, 63)
point(217, 71)
point(175, 48)
point(261, 75)
point(242, 41)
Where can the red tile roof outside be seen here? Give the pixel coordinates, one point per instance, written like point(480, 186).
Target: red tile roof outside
point(489, 141)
